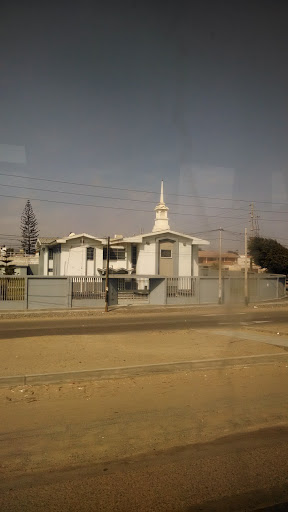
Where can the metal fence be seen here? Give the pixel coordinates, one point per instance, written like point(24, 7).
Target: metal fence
point(181, 287)
point(88, 288)
point(12, 288)
point(129, 290)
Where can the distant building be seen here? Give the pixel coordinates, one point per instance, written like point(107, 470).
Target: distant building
point(230, 261)
point(23, 265)
point(211, 258)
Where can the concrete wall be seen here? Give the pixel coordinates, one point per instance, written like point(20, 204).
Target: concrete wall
point(157, 291)
point(146, 262)
point(87, 303)
point(56, 292)
point(47, 293)
point(185, 255)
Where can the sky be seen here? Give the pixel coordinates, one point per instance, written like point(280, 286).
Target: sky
point(118, 95)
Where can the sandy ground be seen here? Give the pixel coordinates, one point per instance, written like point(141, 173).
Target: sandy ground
point(48, 426)
point(49, 431)
point(48, 354)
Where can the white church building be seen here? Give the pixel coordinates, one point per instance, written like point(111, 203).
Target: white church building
point(162, 252)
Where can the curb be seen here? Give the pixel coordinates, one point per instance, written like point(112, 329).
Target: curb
point(135, 371)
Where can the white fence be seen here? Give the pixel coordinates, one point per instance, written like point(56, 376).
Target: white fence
point(88, 288)
point(12, 288)
point(181, 287)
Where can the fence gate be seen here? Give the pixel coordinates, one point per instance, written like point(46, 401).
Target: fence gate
point(131, 290)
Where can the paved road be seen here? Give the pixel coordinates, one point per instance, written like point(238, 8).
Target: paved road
point(241, 472)
point(16, 328)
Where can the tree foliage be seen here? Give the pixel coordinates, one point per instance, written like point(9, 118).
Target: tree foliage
point(29, 229)
point(269, 254)
point(9, 270)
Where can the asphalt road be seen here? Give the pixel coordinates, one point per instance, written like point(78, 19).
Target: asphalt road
point(20, 328)
point(236, 473)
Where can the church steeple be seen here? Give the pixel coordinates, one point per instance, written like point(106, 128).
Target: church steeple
point(161, 219)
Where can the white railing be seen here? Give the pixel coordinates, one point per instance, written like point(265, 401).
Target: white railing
point(12, 288)
point(88, 288)
point(180, 287)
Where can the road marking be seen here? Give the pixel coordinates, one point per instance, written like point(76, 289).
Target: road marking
point(261, 321)
point(216, 314)
point(225, 314)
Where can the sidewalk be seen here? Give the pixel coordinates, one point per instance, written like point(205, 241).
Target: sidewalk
point(139, 310)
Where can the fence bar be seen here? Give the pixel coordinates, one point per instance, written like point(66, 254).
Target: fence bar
point(12, 288)
point(88, 288)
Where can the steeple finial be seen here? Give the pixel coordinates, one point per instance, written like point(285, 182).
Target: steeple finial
point(162, 193)
point(161, 219)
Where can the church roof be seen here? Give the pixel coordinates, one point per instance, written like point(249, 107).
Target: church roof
point(138, 239)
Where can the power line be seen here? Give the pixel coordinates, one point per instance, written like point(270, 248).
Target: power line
point(117, 207)
point(134, 190)
point(136, 209)
point(121, 198)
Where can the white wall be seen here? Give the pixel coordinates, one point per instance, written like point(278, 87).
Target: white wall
point(195, 265)
point(146, 262)
point(185, 259)
point(99, 259)
point(43, 261)
point(74, 258)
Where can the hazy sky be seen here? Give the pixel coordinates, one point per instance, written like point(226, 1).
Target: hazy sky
point(122, 94)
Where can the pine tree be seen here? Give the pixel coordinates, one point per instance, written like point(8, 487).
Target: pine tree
point(29, 229)
point(9, 270)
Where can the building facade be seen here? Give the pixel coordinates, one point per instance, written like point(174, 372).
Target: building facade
point(74, 255)
point(161, 252)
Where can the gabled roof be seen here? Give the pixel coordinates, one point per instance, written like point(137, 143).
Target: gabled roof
point(138, 239)
point(80, 235)
point(44, 240)
point(56, 240)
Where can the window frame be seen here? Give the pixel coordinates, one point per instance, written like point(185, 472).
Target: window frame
point(90, 251)
point(166, 257)
point(114, 254)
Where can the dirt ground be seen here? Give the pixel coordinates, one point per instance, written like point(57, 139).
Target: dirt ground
point(48, 354)
point(51, 426)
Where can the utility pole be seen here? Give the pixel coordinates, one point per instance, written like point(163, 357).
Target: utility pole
point(107, 276)
point(257, 228)
point(246, 271)
point(220, 268)
point(252, 220)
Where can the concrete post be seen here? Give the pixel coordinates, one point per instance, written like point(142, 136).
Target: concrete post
point(26, 292)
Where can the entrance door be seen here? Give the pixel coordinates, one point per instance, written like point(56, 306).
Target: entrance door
point(166, 263)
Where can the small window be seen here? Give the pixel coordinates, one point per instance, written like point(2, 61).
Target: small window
point(50, 254)
point(90, 253)
point(166, 253)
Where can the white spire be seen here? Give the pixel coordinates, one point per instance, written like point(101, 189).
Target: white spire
point(162, 193)
point(161, 219)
